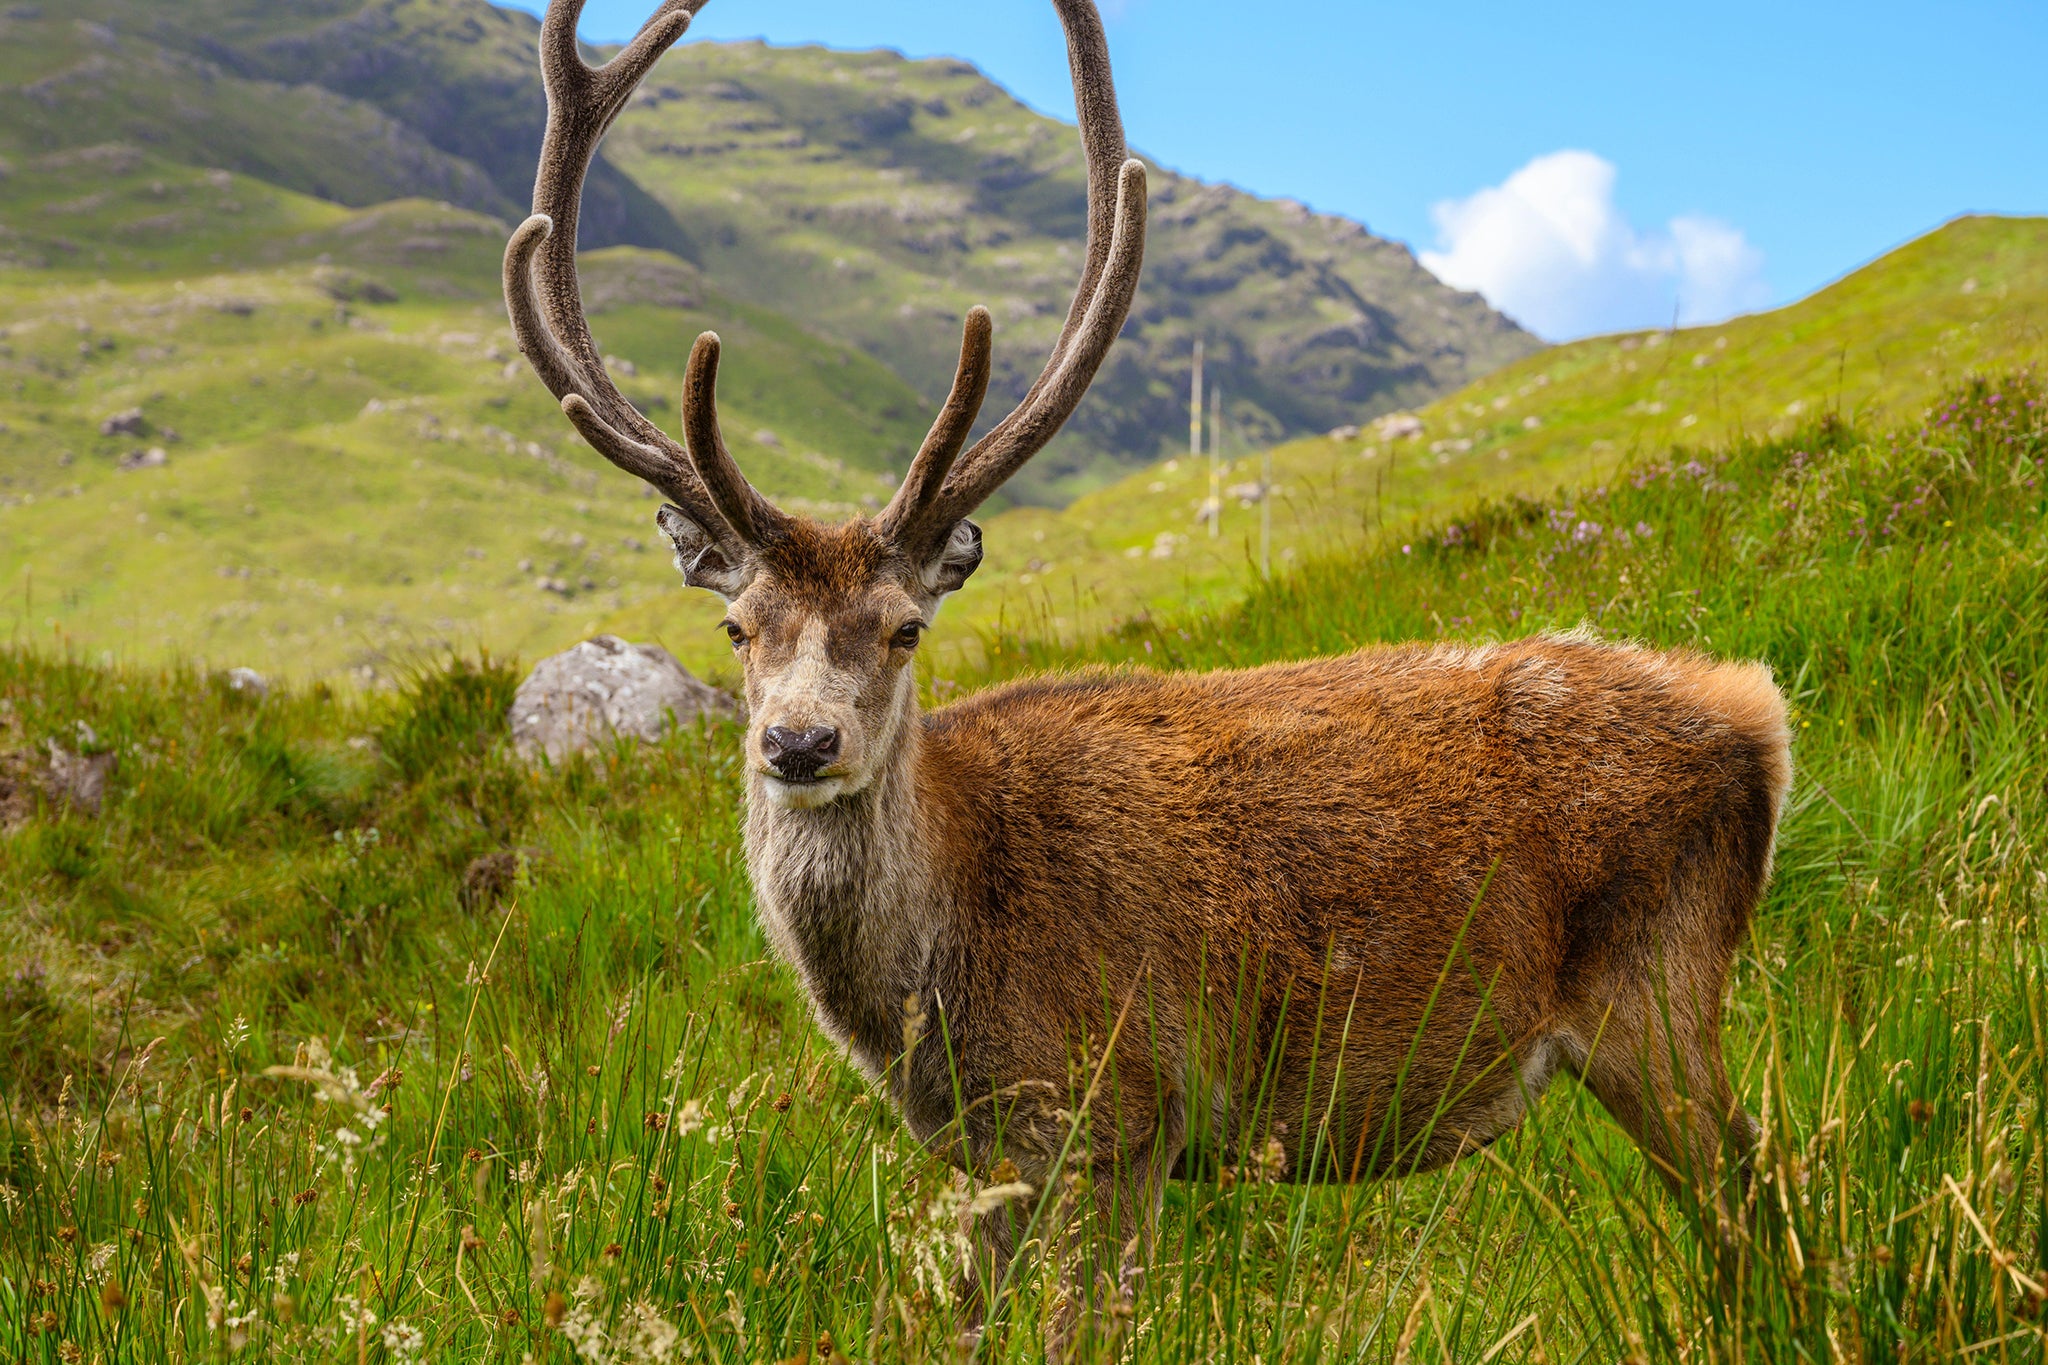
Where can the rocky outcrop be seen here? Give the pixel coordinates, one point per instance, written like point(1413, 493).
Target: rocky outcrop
point(603, 689)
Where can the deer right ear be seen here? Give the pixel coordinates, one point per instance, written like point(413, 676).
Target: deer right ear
point(702, 562)
point(960, 557)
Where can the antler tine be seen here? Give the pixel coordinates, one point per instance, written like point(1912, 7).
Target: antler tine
point(545, 296)
point(752, 517)
point(905, 517)
point(1102, 299)
point(563, 67)
point(1102, 144)
point(582, 103)
point(1065, 380)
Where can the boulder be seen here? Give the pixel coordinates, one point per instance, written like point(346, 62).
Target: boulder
point(603, 688)
point(77, 780)
point(249, 681)
point(129, 423)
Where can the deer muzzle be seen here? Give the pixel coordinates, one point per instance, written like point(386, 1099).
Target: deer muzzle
point(799, 755)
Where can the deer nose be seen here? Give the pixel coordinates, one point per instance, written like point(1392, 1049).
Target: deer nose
point(797, 755)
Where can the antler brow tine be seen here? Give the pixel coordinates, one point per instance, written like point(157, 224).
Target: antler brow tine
point(752, 517)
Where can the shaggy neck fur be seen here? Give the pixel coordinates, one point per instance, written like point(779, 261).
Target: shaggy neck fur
point(847, 895)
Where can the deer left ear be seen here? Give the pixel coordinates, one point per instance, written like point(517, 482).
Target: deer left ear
point(957, 560)
point(703, 563)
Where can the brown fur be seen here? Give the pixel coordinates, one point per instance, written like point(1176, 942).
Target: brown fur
point(1477, 865)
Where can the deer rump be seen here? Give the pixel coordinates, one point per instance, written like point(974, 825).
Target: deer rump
point(1363, 906)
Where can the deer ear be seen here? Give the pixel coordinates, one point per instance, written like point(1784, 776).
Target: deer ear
point(702, 562)
point(957, 560)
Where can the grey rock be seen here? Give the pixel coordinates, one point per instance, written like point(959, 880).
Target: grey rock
point(248, 680)
point(129, 423)
point(587, 695)
point(77, 780)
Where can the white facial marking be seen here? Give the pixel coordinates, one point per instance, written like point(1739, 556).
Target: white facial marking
point(809, 691)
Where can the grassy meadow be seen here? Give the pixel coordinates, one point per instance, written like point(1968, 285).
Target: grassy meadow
point(339, 1034)
point(356, 467)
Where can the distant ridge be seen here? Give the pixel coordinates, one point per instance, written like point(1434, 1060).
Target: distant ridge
point(871, 197)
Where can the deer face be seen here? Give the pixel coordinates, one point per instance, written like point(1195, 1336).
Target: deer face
point(826, 622)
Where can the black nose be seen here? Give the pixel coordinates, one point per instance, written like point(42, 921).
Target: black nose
point(797, 756)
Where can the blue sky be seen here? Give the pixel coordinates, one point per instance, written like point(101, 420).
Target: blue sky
point(1586, 166)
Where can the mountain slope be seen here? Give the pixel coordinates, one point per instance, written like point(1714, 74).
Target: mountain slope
point(872, 198)
point(880, 198)
point(68, 81)
point(459, 74)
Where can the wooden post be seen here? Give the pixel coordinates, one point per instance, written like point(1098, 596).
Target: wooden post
point(1216, 459)
point(1266, 514)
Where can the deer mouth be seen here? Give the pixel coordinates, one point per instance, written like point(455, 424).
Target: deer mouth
point(799, 773)
point(806, 791)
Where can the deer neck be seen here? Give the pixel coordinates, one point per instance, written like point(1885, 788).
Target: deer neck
point(847, 895)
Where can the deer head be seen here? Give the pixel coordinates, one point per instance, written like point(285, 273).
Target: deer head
point(826, 619)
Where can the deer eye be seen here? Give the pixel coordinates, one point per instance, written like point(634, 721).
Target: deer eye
point(735, 634)
point(907, 636)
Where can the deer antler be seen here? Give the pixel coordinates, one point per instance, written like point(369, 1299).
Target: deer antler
point(942, 486)
point(926, 508)
point(546, 302)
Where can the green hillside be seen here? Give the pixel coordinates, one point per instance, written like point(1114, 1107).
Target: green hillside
point(356, 466)
point(1875, 346)
point(79, 76)
point(871, 198)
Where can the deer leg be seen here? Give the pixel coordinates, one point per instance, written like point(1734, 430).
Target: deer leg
point(1657, 1068)
point(1106, 1230)
point(992, 1242)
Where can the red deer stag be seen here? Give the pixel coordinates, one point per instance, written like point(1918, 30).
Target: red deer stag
point(1348, 915)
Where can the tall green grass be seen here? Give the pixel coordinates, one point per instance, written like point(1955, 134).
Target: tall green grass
point(340, 1034)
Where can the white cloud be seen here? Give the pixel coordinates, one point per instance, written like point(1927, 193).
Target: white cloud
point(1549, 248)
